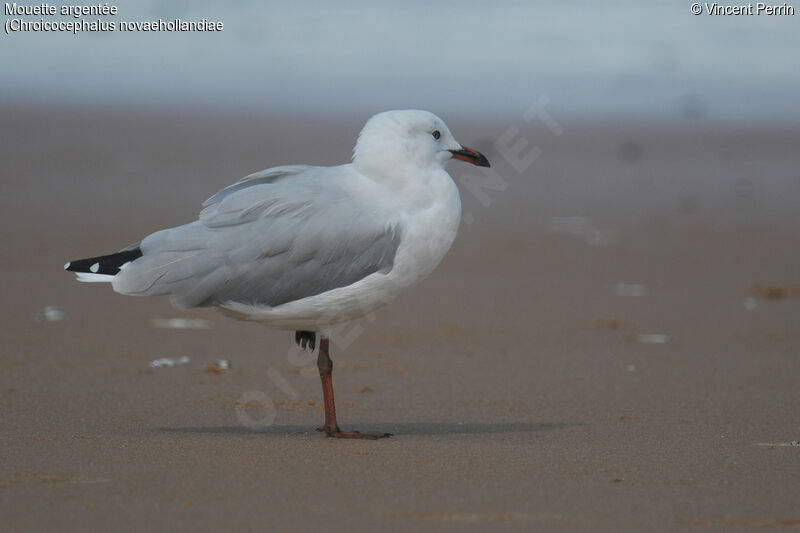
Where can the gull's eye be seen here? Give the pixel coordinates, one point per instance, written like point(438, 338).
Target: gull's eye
point(436, 134)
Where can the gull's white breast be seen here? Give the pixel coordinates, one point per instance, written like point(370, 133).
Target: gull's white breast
point(428, 218)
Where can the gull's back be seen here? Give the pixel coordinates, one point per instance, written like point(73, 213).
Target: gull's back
point(275, 237)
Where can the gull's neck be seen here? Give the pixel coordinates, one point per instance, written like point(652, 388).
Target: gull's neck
point(415, 184)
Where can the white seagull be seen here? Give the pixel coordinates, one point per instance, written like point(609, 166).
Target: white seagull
point(305, 248)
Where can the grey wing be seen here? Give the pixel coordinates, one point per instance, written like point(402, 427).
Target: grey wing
point(268, 244)
point(270, 175)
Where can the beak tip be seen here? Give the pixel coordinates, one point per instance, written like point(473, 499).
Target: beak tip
point(471, 156)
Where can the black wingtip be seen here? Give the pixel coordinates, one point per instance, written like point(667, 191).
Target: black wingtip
point(104, 264)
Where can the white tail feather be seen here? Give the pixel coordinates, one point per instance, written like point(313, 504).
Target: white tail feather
point(88, 277)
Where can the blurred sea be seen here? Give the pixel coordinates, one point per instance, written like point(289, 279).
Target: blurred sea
point(591, 60)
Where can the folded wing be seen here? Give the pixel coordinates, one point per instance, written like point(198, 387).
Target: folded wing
point(266, 241)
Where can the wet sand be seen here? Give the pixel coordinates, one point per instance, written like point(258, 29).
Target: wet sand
point(514, 379)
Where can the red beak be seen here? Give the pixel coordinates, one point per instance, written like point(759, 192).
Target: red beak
point(471, 156)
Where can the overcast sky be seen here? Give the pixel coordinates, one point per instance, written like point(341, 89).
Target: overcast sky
point(634, 59)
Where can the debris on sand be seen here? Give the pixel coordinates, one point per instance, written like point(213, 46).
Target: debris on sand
point(568, 225)
point(51, 313)
point(609, 323)
point(630, 289)
point(181, 323)
point(581, 226)
point(600, 237)
point(365, 390)
point(774, 292)
point(653, 338)
point(219, 366)
point(169, 362)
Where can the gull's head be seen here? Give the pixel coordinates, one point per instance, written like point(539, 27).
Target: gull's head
point(409, 138)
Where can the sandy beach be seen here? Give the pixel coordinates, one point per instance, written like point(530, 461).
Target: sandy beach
point(612, 343)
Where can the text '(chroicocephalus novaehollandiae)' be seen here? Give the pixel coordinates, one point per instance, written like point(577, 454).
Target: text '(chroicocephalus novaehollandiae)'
point(304, 248)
